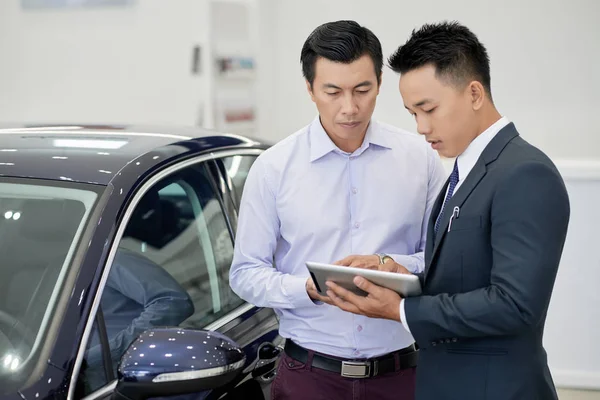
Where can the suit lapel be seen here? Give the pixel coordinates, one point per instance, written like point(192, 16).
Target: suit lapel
point(489, 155)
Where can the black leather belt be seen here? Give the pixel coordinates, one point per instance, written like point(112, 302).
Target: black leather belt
point(356, 368)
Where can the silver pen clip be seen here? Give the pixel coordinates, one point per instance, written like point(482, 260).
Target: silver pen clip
point(454, 215)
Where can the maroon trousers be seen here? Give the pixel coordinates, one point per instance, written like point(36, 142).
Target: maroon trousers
point(299, 381)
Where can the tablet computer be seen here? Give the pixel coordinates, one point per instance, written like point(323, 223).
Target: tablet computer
point(404, 284)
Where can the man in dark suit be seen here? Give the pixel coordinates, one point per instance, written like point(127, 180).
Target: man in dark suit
point(494, 240)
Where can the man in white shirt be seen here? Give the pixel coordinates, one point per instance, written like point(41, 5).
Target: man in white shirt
point(495, 235)
point(344, 184)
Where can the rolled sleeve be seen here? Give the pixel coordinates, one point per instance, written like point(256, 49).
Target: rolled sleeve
point(414, 262)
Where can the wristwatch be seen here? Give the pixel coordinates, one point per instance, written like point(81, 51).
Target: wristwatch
point(383, 258)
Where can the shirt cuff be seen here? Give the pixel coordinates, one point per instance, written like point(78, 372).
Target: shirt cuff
point(409, 262)
point(294, 288)
point(403, 316)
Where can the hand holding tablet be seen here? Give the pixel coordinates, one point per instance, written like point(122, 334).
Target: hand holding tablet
point(404, 284)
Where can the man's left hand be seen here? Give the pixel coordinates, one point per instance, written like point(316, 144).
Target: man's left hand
point(311, 289)
point(356, 261)
point(380, 302)
point(372, 262)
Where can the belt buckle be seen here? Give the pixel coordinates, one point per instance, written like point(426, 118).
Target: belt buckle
point(358, 369)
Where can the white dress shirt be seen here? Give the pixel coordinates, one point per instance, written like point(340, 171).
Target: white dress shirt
point(307, 200)
point(465, 162)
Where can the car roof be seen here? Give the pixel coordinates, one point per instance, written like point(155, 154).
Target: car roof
point(96, 153)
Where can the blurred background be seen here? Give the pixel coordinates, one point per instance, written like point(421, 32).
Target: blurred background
point(233, 65)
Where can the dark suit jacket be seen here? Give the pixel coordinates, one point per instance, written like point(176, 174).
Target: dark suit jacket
point(488, 281)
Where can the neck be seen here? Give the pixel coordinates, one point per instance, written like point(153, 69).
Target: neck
point(347, 145)
point(489, 117)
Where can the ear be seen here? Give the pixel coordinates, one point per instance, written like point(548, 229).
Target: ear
point(477, 94)
point(310, 90)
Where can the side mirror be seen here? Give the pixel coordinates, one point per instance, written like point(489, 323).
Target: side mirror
point(173, 361)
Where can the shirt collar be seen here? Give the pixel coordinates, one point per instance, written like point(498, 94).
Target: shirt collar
point(466, 161)
point(321, 144)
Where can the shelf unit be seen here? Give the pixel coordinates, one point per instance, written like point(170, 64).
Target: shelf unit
point(230, 65)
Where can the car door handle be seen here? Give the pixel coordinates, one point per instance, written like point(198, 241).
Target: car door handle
point(268, 354)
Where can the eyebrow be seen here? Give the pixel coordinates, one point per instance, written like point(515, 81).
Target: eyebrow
point(332, 86)
point(423, 102)
point(420, 103)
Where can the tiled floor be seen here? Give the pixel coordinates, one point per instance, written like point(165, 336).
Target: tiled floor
point(568, 394)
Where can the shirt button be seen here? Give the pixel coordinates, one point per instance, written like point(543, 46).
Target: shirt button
point(354, 190)
point(356, 225)
point(359, 328)
point(356, 352)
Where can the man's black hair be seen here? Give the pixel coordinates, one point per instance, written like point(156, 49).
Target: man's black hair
point(340, 41)
point(454, 51)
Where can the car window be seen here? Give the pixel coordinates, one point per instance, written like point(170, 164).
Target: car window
point(171, 266)
point(237, 168)
point(40, 226)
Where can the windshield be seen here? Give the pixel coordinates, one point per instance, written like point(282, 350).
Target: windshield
point(40, 226)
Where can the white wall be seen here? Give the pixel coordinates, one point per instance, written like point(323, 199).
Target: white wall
point(267, 66)
point(545, 58)
point(101, 65)
point(132, 64)
point(573, 322)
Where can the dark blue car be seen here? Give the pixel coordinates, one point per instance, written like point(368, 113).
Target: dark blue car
point(116, 247)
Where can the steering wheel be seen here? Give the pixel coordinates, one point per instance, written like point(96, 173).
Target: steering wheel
point(23, 331)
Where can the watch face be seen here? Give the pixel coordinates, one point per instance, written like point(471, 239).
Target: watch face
point(385, 259)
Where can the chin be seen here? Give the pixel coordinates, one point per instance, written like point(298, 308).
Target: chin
point(446, 154)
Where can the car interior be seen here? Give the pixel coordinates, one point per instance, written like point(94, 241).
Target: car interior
point(179, 225)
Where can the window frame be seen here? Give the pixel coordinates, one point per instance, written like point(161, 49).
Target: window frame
point(222, 190)
point(229, 179)
point(225, 189)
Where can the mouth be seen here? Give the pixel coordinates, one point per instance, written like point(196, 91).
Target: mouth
point(435, 144)
point(349, 124)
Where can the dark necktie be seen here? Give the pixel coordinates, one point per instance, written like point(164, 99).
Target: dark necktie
point(451, 186)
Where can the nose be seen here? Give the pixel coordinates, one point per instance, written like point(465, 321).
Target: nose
point(423, 126)
point(349, 105)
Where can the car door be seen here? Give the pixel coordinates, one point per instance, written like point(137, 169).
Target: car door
point(263, 338)
point(169, 266)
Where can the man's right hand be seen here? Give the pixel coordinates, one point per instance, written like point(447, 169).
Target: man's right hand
point(311, 289)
